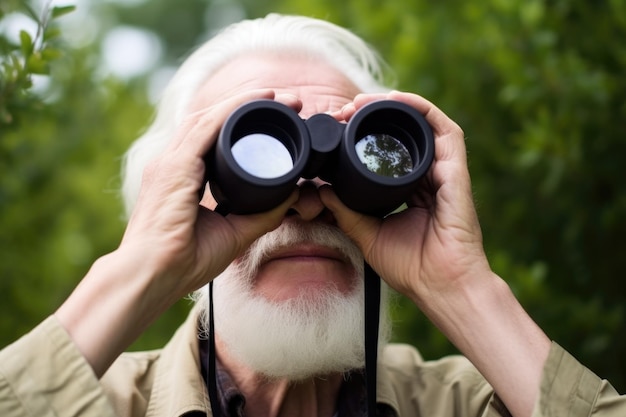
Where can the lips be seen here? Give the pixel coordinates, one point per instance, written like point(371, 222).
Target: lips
point(306, 252)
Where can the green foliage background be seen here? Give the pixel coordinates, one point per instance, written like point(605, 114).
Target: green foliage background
point(538, 87)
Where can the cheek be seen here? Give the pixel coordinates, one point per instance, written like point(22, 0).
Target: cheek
point(207, 199)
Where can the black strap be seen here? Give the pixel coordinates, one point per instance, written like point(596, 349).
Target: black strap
point(372, 318)
point(216, 408)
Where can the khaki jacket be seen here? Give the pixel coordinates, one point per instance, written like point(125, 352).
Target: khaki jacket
point(43, 374)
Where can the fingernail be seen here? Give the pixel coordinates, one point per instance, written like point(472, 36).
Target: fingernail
point(348, 107)
point(287, 96)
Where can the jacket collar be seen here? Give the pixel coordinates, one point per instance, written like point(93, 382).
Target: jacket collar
point(178, 384)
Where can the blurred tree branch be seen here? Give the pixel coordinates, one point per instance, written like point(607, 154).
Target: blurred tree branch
point(19, 61)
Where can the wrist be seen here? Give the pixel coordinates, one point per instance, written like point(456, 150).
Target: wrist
point(113, 304)
point(458, 285)
point(484, 320)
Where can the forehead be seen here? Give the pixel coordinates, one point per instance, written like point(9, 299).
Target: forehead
point(319, 85)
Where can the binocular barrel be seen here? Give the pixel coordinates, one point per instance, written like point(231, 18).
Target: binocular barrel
point(374, 162)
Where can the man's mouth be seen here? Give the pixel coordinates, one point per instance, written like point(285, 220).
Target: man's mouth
point(306, 252)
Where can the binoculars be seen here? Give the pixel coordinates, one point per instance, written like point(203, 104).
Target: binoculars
point(373, 162)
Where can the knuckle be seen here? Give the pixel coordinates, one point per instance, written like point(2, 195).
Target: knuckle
point(458, 130)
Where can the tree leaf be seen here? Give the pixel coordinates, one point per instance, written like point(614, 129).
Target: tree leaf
point(26, 43)
point(37, 65)
point(50, 54)
point(59, 11)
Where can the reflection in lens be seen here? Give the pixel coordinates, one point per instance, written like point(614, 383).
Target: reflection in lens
point(384, 155)
point(262, 155)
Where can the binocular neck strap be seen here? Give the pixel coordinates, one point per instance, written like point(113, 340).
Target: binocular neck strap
point(372, 318)
point(216, 408)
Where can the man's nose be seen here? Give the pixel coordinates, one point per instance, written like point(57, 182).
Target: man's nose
point(309, 205)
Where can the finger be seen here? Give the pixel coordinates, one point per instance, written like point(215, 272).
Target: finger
point(363, 99)
point(441, 124)
point(200, 129)
point(250, 227)
point(231, 235)
point(210, 121)
point(289, 100)
point(347, 111)
point(450, 150)
point(448, 179)
point(358, 227)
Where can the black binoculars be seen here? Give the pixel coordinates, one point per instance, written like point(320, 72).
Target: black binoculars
point(373, 162)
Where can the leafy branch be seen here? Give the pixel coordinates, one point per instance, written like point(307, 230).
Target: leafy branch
point(32, 55)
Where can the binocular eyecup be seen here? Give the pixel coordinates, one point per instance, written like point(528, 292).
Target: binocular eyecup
point(374, 162)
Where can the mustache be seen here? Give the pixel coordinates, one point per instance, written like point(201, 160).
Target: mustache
point(293, 233)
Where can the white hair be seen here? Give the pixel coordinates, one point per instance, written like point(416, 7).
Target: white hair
point(339, 47)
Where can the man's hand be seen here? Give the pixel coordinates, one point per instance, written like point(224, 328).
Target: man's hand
point(432, 252)
point(173, 243)
point(189, 243)
point(436, 242)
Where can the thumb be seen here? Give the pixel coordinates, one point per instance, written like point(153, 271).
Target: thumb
point(362, 229)
point(251, 226)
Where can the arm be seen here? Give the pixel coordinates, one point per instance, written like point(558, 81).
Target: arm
point(568, 388)
point(433, 253)
point(171, 247)
point(43, 374)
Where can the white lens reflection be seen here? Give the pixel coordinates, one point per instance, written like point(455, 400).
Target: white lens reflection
point(262, 155)
point(384, 155)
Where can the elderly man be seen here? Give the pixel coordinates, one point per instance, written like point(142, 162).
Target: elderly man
point(288, 282)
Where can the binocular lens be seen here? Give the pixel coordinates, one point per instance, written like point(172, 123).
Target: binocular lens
point(384, 155)
point(262, 156)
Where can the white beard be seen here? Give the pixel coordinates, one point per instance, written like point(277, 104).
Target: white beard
point(311, 334)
